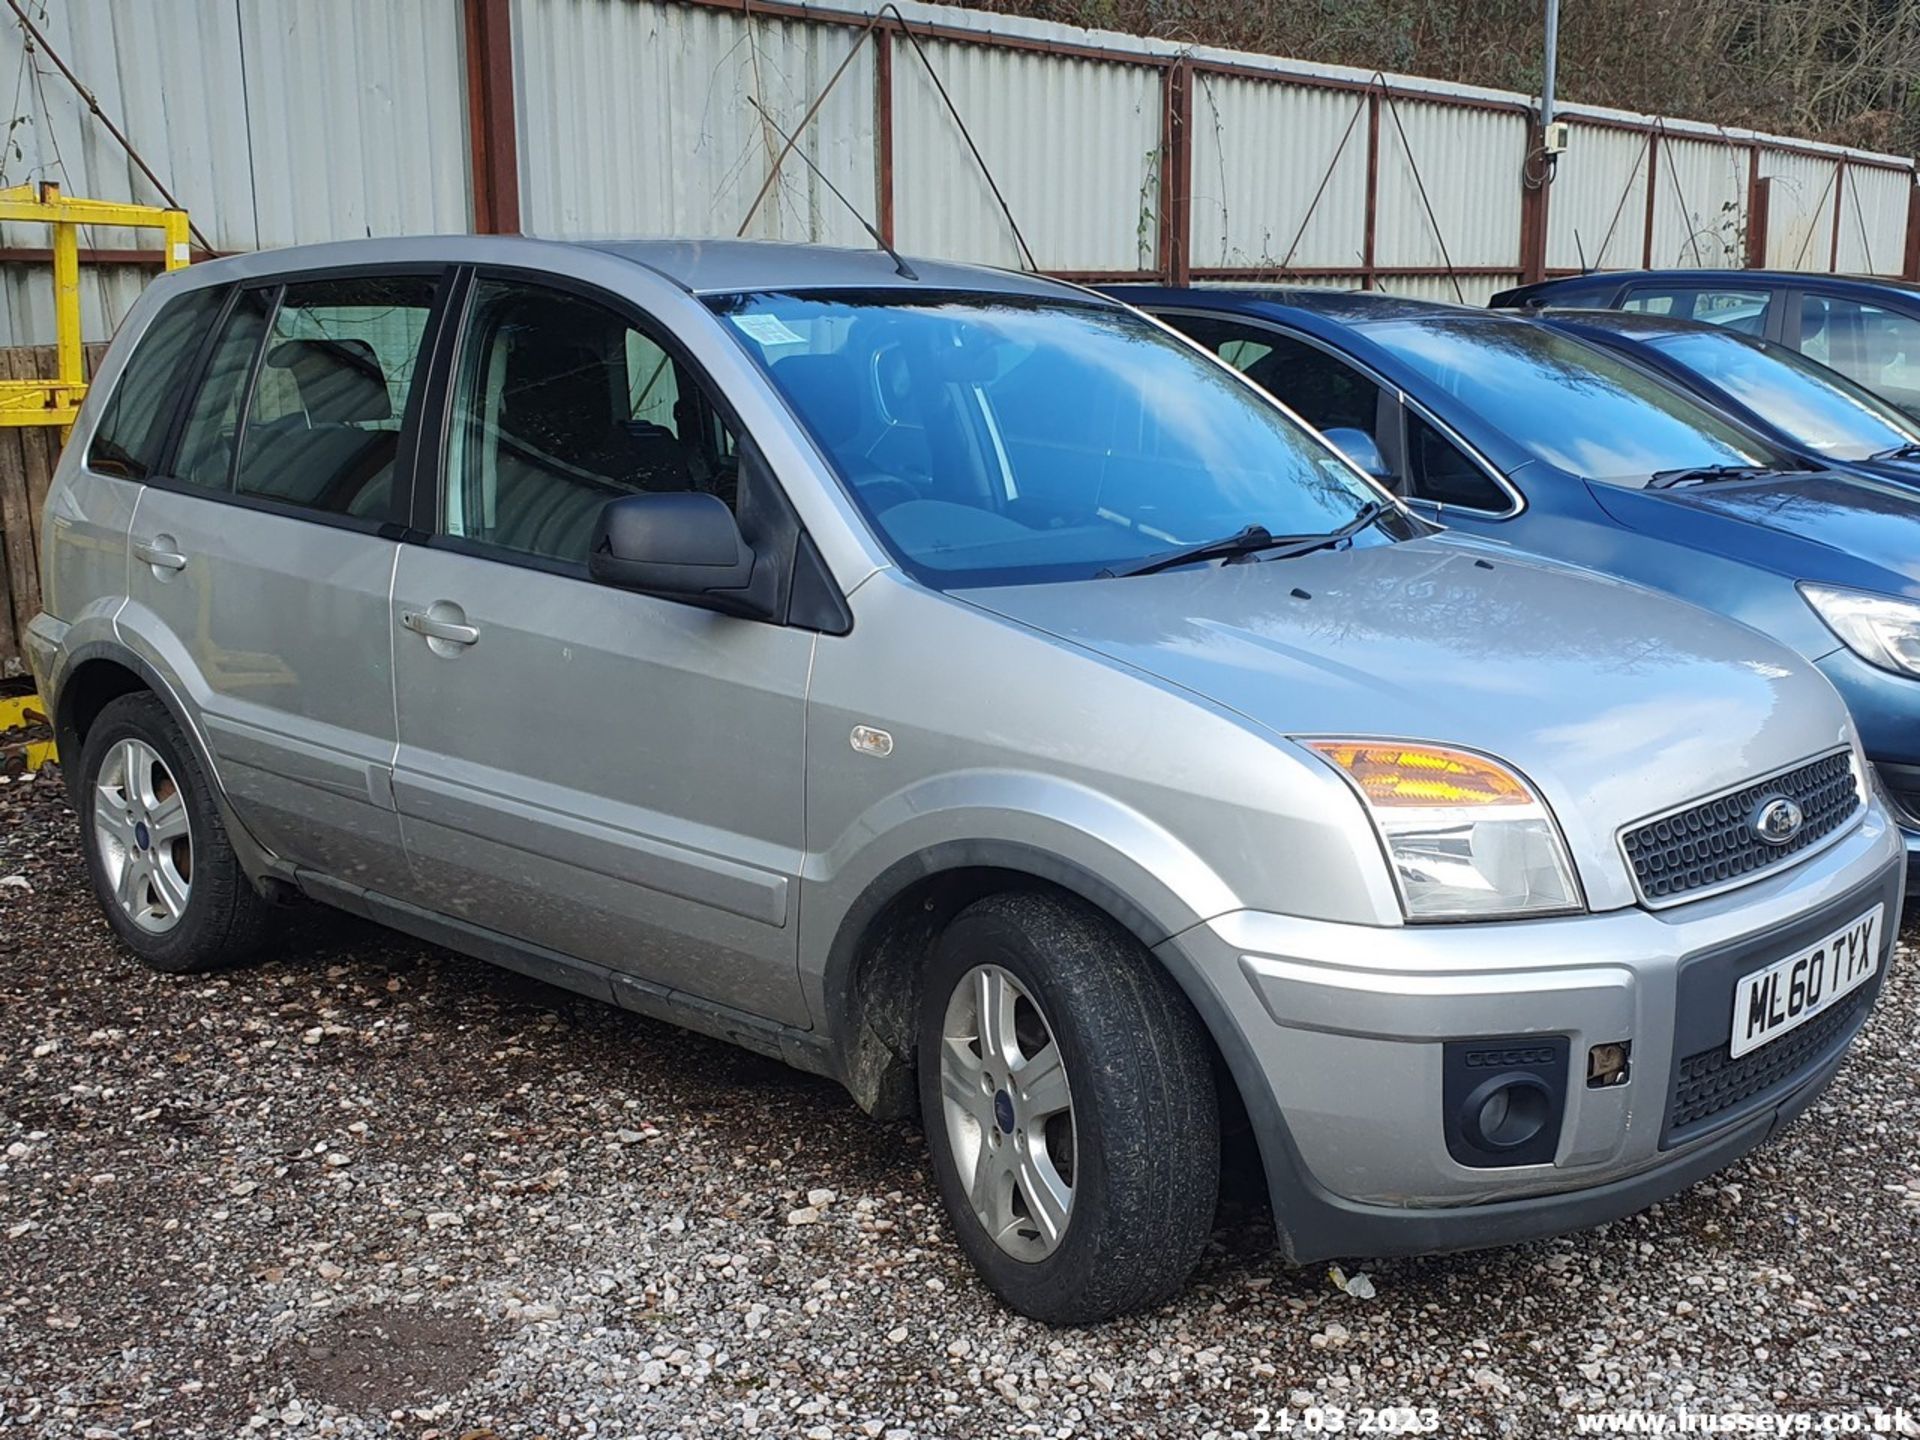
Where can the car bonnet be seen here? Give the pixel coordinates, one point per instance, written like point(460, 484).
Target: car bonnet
point(1616, 702)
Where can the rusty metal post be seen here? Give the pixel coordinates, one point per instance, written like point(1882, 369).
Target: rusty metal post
point(493, 151)
point(883, 129)
point(1175, 239)
point(1759, 213)
point(1839, 194)
point(1759, 203)
point(1369, 236)
point(1910, 263)
point(1653, 195)
point(1534, 191)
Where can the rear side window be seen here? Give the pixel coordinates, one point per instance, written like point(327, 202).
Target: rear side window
point(134, 427)
point(213, 422)
point(1877, 347)
point(1744, 311)
point(323, 423)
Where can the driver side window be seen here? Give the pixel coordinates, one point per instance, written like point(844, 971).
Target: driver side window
point(560, 405)
point(1352, 412)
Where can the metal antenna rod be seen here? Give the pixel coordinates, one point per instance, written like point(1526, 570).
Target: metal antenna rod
point(904, 270)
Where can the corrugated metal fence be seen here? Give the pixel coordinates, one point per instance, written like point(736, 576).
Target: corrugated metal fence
point(277, 121)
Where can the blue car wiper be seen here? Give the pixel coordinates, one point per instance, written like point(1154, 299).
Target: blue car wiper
point(1249, 540)
point(1909, 451)
point(1707, 474)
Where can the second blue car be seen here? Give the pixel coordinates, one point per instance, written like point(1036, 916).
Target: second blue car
point(1517, 431)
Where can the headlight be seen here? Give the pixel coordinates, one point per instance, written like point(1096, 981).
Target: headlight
point(1467, 837)
point(1879, 629)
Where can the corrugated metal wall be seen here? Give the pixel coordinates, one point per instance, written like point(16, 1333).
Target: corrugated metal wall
point(1073, 144)
point(633, 121)
point(1598, 219)
point(1873, 213)
point(1700, 204)
point(285, 120)
point(1799, 209)
point(1468, 164)
point(273, 121)
point(1260, 152)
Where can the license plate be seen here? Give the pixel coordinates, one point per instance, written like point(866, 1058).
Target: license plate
point(1788, 993)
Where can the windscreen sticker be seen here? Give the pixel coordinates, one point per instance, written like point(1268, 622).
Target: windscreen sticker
point(767, 329)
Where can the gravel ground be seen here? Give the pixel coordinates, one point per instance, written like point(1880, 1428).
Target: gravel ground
point(372, 1188)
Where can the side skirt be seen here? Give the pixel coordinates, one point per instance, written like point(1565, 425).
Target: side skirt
point(802, 1049)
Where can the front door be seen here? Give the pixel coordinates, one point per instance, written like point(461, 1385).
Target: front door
point(611, 776)
point(262, 562)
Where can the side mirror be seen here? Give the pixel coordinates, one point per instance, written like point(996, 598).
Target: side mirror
point(681, 545)
point(1359, 447)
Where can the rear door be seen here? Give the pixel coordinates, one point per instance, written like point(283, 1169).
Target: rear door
point(263, 556)
point(612, 776)
point(89, 513)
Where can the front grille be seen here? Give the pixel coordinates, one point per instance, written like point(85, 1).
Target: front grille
point(1712, 843)
point(1713, 1082)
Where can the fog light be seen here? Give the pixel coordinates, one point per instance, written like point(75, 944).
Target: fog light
point(1507, 1112)
point(1503, 1099)
point(1607, 1064)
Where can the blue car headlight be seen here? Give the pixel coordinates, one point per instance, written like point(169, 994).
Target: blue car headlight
point(1880, 629)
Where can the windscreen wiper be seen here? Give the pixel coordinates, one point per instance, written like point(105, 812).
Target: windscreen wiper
point(1249, 540)
point(1707, 474)
point(1909, 451)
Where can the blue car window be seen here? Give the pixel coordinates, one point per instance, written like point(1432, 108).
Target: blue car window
point(1568, 403)
point(1818, 407)
point(1742, 311)
point(996, 439)
point(1880, 348)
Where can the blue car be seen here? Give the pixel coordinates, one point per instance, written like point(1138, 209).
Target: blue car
point(1516, 431)
point(1821, 416)
point(1866, 328)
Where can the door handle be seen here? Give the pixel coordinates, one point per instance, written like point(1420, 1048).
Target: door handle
point(159, 553)
point(425, 622)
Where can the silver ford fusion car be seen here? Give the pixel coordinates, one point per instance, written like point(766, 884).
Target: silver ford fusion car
point(956, 684)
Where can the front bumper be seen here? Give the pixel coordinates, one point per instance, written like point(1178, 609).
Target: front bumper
point(1337, 1034)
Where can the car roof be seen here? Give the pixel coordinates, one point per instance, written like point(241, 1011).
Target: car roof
point(718, 267)
point(701, 266)
point(1723, 276)
point(1348, 307)
point(1635, 324)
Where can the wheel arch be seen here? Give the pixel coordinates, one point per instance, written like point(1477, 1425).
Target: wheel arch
point(98, 672)
point(873, 967)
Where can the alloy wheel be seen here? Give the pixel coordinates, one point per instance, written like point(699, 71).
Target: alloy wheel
point(1008, 1110)
point(146, 843)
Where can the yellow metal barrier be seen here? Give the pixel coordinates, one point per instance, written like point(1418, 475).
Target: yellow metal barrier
point(23, 712)
point(54, 401)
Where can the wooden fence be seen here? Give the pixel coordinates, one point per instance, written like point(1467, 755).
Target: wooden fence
point(28, 454)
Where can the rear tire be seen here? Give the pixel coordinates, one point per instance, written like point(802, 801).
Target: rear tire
point(1075, 1133)
point(157, 851)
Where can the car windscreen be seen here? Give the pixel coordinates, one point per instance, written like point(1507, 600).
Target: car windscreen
point(1569, 403)
point(1003, 439)
point(1820, 408)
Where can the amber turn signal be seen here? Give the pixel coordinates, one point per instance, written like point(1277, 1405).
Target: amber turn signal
point(1394, 776)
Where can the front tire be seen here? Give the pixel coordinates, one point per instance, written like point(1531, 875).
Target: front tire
point(157, 851)
point(1068, 1098)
